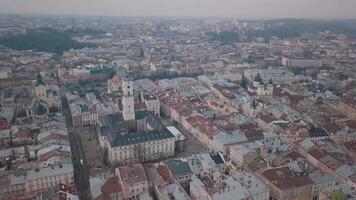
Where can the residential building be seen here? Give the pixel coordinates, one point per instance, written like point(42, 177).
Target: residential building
point(134, 180)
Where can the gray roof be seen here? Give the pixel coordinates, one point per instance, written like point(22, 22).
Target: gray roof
point(235, 137)
point(116, 131)
point(112, 126)
point(95, 185)
point(49, 171)
point(179, 167)
point(345, 171)
point(140, 114)
point(136, 138)
point(318, 177)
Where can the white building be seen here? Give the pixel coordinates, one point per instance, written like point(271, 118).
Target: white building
point(128, 99)
point(152, 145)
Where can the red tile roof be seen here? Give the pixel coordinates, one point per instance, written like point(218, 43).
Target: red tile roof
point(165, 174)
point(285, 179)
point(132, 174)
point(112, 185)
point(331, 127)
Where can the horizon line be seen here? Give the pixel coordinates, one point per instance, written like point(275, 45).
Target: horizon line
point(175, 17)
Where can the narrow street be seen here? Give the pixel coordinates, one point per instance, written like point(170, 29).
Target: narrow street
point(81, 171)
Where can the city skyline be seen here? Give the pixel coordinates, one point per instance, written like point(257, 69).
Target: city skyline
point(177, 99)
point(254, 9)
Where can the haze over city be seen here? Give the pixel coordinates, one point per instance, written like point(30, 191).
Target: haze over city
point(177, 99)
point(246, 9)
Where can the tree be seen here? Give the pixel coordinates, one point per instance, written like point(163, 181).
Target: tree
point(39, 80)
point(243, 83)
point(338, 195)
point(43, 40)
point(298, 70)
point(258, 79)
point(270, 81)
point(250, 60)
point(254, 104)
point(141, 53)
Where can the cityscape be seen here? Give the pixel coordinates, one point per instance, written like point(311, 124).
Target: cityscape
point(96, 107)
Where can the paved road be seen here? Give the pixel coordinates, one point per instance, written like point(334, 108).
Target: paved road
point(81, 171)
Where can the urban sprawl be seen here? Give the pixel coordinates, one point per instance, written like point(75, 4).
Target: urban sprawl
point(177, 109)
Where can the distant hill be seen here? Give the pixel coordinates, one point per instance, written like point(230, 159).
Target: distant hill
point(43, 39)
point(287, 28)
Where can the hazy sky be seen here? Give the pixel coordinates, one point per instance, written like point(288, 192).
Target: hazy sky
point(218, 8)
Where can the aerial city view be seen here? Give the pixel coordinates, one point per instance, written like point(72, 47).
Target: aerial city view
point(177, 100)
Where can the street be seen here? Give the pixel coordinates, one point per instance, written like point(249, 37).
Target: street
point(81, 171)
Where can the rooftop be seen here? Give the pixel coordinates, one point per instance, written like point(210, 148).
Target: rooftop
point(132, 174)
point(112, 185)
point(179, 167)
point(50, 171)
point(137, 138)
point(177, 134)
point(285, 178)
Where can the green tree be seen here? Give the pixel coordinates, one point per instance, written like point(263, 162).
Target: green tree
point(270, 81)
point(258, 78)
point(43, 39)
point(298, 70)
point(250, 60)
point(338, 195)
point(254, 104)
point(141, 53)
point(39, 80)
point(243, 82)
